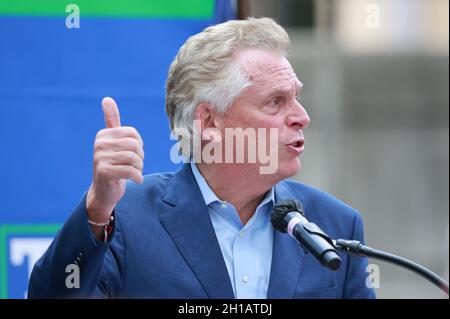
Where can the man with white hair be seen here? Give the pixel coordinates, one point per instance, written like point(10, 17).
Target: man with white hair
point(204, 231)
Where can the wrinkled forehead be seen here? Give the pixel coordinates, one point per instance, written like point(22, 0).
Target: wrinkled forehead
point(266, 70)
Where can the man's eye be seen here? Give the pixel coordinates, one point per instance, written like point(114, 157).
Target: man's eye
point(275, 102)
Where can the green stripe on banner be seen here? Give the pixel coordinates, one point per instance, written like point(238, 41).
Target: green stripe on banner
point(18, 229)
point(111, 8)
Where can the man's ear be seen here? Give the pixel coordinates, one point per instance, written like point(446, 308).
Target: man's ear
point(207, 115)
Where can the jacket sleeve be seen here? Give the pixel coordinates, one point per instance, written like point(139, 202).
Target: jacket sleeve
point(356, 284)
point(75, 248)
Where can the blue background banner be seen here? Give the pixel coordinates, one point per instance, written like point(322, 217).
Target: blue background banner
point(52, 79)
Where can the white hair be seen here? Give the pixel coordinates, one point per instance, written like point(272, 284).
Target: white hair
point(204, 69)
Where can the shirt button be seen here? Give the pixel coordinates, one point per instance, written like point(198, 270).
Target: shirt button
point(245, 279)
point(241, 234)
point(223, 205)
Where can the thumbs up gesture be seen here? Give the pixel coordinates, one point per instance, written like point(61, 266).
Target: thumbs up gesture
point(118, 155)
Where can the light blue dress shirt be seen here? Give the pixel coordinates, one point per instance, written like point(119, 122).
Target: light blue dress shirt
point(246, 249)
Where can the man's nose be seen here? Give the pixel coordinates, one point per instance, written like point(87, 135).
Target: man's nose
point(298, 117)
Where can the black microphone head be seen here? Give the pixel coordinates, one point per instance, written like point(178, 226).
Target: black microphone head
point(281, 209)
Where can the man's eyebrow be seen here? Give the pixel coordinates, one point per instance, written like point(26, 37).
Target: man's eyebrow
point(278, 91)
point(281, 91)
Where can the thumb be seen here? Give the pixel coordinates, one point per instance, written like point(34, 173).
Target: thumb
point(110, 112)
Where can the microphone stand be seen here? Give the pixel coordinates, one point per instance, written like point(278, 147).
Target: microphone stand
point(355, 248)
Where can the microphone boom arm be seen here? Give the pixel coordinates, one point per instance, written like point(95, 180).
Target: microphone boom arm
point(355, 248)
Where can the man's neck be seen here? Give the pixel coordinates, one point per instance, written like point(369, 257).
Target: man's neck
point(240, 185)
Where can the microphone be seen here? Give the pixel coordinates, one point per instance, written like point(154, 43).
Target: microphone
point(288, 216)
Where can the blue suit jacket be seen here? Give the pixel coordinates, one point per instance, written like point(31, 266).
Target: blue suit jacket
point(164, 246)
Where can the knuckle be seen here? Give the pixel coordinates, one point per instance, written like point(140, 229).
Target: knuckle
point(129, 172)
point(101, 144)
point(136, 174)
point(139, 164)
point(135, 133)
point(134, 145)
point(137, 147)
point(102, 133)
point(133, 130)
point(128, 157)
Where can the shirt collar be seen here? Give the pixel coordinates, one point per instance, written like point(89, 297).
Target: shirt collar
point(207, 193)
point(210, 197)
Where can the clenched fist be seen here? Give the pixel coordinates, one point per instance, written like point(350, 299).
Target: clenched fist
point(118, 155)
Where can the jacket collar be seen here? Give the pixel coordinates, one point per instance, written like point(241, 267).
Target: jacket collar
point(187, 221)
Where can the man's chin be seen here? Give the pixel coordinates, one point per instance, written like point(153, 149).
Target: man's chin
point(276, 172)
point(292, 168)
point(288, 169)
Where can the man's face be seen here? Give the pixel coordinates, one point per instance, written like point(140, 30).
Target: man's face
point(271, 101)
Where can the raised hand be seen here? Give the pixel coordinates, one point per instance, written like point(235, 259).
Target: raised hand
point(118, 155)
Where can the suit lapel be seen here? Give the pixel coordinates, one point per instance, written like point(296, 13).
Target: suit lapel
point(187, 221)
point(287, 257)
